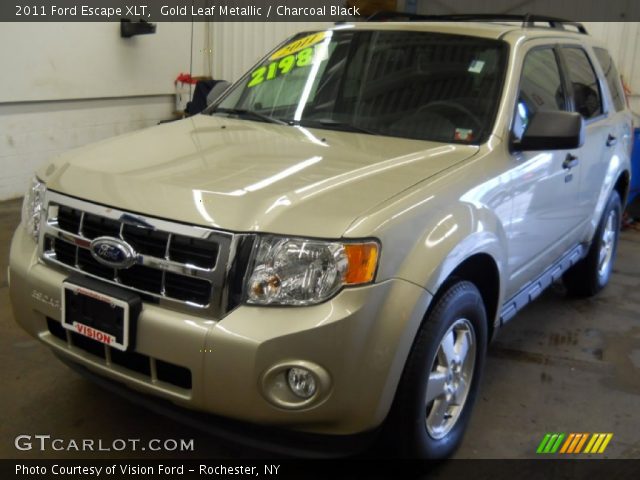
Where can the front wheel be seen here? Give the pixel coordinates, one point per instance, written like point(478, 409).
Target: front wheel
point(592, 273)
point(441, 378)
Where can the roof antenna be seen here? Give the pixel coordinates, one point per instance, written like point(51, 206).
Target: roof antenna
point(526, 20)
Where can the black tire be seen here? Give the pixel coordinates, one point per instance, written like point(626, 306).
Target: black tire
point(586, 278)
point(406, 429)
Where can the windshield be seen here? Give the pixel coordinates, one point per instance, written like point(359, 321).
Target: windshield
point(409, 84)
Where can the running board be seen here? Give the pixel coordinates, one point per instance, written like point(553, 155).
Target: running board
point(532, 290)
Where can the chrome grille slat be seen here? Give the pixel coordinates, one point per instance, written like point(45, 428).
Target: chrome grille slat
point(190, 283)
point(81, 226)
point(166, 257)
point(77, 264)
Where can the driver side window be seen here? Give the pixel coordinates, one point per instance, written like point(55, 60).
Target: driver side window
point(541, 88)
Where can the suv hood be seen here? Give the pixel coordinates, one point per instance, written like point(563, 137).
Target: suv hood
point(243, 175)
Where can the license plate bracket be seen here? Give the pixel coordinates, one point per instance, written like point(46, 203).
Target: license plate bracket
point(100, 312)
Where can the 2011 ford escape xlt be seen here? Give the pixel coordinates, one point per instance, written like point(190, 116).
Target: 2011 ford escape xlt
point(330, 247)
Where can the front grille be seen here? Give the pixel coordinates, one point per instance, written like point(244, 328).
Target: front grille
point(174, 262)
point(148, 242)
point(142, 364)
point(93, 226)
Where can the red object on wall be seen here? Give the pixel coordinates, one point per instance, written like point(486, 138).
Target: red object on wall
point(185, 78)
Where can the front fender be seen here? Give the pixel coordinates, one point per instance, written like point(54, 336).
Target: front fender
point(460, 232)
point(426, 233)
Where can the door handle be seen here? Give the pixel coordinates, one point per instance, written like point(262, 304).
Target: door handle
point(570, 161)
point(611, 140)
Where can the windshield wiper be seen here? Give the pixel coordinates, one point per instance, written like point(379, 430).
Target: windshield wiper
point(242, 112)
point(334, 124)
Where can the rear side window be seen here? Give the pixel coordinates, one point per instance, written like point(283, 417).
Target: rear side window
point(540, 88)
point(613, 78)
point(586, 91)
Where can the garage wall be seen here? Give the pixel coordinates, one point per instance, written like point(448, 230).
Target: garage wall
point(32, 133)
point(59, 61)
point(64, 85)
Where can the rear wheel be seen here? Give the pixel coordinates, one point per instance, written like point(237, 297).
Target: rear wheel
point(441, 378)
point(592, 273)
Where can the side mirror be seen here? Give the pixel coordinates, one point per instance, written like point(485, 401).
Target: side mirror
point(552, 131)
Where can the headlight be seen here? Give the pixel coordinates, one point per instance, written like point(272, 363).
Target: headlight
point(32, 207)
point(296, 271)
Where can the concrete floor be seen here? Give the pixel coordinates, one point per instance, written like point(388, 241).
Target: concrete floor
point(562, 366)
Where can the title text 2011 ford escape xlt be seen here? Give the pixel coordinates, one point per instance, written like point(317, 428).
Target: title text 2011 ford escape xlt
point(330, 247)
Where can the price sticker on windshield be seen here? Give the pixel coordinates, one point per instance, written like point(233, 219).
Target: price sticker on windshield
point(298, 45)
point(284, 65)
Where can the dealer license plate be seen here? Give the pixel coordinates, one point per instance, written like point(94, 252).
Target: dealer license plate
point(96, 315)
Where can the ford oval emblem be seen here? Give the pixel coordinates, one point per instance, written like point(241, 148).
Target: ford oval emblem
point(113, 252)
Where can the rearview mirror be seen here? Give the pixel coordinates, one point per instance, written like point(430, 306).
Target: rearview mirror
point(552, 130)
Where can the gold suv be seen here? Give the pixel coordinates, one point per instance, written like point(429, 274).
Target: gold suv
point(330, 247)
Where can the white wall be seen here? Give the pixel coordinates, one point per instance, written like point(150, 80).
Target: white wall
point(64, 85)
point(32, 133)
point(58, 61)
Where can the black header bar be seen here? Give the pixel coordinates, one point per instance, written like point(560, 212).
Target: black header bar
point(533, 469)
point(296, 10)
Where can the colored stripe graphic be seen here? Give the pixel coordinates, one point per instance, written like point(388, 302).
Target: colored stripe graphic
point(555, 447)
point(581, 443)
point(594, 437)
point(550, 443)
point(543, 443)
point(598, 442)
point(567, 442)
point(605, 443)
point(573, 443)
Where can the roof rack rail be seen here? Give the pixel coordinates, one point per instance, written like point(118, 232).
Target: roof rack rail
point(528, 20)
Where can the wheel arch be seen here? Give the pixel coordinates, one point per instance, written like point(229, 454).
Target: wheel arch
point(622, 186)
point(482, 270)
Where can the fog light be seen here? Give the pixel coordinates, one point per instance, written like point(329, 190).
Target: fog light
point(301, 382)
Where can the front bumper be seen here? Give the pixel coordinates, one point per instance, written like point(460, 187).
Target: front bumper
point(360, 339)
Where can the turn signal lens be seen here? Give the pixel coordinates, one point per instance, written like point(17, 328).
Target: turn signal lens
point(299, 271)
point(363, 260)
